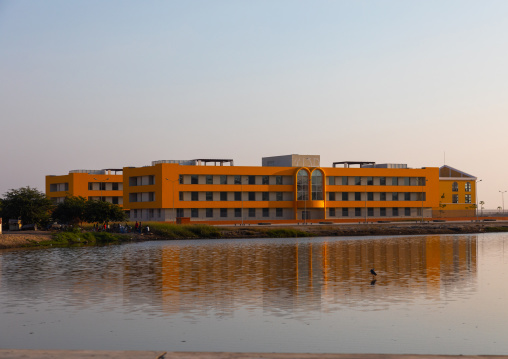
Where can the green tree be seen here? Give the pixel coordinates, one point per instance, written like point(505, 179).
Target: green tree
point(103, 212)
point(71, 210)
point(28, 204)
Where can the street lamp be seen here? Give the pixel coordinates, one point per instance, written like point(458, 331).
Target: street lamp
point(502, 198)
point(173, 190)
point(100, 186)
point(476, 194)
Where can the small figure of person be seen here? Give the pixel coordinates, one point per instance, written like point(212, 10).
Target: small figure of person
point(136, 226)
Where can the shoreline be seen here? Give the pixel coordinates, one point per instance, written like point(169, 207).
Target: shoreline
point(36, 239)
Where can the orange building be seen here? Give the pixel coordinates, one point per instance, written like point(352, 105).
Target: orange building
point(285, 188)
point(105, 185)
point(290, 189)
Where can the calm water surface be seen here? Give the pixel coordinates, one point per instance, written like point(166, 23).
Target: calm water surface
point(432, 295)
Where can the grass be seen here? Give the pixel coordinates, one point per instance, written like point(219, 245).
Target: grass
point(76, 238)
point(287, 233)
point(186, 231)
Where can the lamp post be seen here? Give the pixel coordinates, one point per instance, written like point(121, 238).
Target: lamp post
point(476, 195)
point(100, 186)
point(502, 198)
point(173, 190)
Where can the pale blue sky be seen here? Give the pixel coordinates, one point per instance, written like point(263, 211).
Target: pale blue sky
point(98, 84)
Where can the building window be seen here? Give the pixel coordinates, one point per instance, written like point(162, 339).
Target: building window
point(194, 196)
point(150, 213)
point(252, 212)
point(358, 212)
point(395, 196)
point(265, 180)
point(179, 212)
point(114, 200)
point(317, 185)
point(382, 196)
point(407, 211)
point(278, 196)
point(238, 212)
point(331, 196)
point(194, 179)
point(345, 212)
point(358, 181)
point(370, 196)
point(407, 196)
point(455, 187)
point(151, 180)
point(407, 181)
point(151, 196)
point(115, 186)
point(90, 186)
point(382, 181)
point(468, 198)
point(265, 196)
point(252, 179)
point(252, 196)
point(344, 181)
point(468, 186)
point(238, 196)
point(238, 179)
point(370, 181)
point(223, 196)
point(133, 197)
point(209, 179)
point(135, 213)
point(223, 179)
point(331, 212)
point(266, 212)
point(102, 186)
point(370, 212)
point(358, 196)
point(180, 196)
point(209, 212)
point(194, 212)
point(209, 196)
point(382, 212)
point(180, 179)
point(395, 181)
point(395, 212)
point(133, 181)
point(302, 185)
point(278, 180)
point(331, 180)
point(345, 196)
point(223, 212)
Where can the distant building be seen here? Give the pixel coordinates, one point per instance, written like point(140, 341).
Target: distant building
point(291, 188)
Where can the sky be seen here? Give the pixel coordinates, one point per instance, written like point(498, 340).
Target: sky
point(107, 84)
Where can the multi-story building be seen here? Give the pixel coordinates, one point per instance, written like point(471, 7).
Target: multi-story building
point(104, 185)
point(457, 193)
point(290, 188)
point(285, 188)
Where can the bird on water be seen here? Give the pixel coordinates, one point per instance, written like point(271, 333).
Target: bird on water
point(373, 272)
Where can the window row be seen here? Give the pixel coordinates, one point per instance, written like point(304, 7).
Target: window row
point(467, 187)
point(376, 181)
point(455, 198)
point(237, 179)
point(142, 180)
point(230, 212)
point(58, 187)
point(373, 212)
point(105, 186)
point(235, 196)
point(113, 200)
point(142, 197)
point(376, 196)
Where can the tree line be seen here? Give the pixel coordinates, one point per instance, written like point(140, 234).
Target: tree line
point(32, 206)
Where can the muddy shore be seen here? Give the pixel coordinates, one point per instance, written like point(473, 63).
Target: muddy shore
point(22, 239)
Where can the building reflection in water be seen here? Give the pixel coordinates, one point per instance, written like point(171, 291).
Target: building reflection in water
point(304, 275)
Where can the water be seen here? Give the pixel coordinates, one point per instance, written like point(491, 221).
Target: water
point(432, 295)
